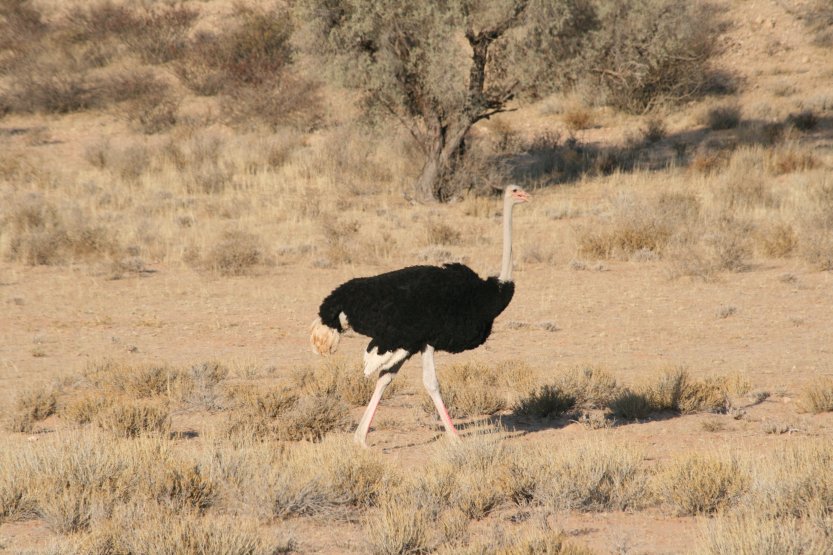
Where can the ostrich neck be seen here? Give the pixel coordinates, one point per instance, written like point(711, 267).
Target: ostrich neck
point(506, 265)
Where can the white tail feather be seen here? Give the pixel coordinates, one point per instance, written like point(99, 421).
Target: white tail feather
point(375, 361)
point(323, 338)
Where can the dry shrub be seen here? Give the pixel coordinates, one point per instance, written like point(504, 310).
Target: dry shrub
point(84, 408)
point(592, 387)
point(329, 478)
point(791, 159)
point(818, 396)
point(631, 405)
point(468, 476)
point(402, 524)
point(153, 114)
point(31, 407)
point(594, 475)
point(777, 240)
point(718, 118)
point(287, 101)
point(251, 53)
point(340, 379)
point(236, 253)
point(98, 22)
point(198, 386)
point(654, 131)
point(702, 483)
point(549, 401)
point(439, 233)
point(158, 34)
point(709, 161)
point(651, 51)
point(674, 390)
point(793, 480)
point(818, 16)
point(635, 225)
point(313, 417)
point(134, 418)
point(817, 248)
point(724, 245)
point(279, 413)
point(269, 402)
point(806, 120)
point(582, 386)
point(541, 539)
point(41, 234)
point(79, 478)
point(475, 388)
point(677, 391)
point(132, 528)
point(16, 500)
point(747, 532)
point(578, 118)
point(142, 381)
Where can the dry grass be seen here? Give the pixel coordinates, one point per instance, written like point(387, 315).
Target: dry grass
point(722, 117)
point(130, 418)
point(673, 390)
point(818, 397)
point(338, 378)
point(476, 388)
point(702, 483)
point(31, 407)
point(750, 533)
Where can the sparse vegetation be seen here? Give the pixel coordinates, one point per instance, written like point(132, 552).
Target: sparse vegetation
point(180, 181)
point(722, 117)
point(818, 396)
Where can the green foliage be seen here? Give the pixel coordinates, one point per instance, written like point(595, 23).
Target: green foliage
point(649, 51)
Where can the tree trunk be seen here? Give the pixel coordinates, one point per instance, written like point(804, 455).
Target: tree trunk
point(445, 146)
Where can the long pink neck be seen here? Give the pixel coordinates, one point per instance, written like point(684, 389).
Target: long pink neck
point(506, 264)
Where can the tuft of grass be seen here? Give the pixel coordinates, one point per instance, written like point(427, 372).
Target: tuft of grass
point(335, 377)
point(134, 418)
point(549, 401)
point(818, 396)
point(84, 408)
point(696, 483)
point(805, 120)
point(236, 253)
point(439, 233)
point(793, 480)
point(402, 524)
point(131, 529)
point(475, 388)
point(654, 131)
point(675, 391)
point(727, 116)
point(748, 532)
point(31, 407)
point(594, 475)
point(282, 414)
point(331, 478)
point(632, 405)
point(16, 500)
point(777, 240)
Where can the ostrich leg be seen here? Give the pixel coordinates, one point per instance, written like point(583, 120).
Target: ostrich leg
point(384, 380)
point(429, 379)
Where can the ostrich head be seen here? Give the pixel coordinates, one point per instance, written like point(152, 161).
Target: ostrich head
point(515, 194)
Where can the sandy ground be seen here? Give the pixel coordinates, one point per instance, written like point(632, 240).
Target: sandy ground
point(630, 319)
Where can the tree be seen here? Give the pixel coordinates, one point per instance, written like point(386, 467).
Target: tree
point(441, 67)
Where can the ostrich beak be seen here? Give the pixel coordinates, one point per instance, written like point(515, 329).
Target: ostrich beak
point(522, 196)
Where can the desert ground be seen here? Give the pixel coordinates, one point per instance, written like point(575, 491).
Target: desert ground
point(662, 381)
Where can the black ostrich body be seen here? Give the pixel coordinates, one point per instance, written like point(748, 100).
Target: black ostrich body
point(450, 308)
point(418, 309)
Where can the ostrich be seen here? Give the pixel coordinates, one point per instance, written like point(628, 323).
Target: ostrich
point(417, 309)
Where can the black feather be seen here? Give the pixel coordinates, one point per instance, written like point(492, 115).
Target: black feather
point(450, 307)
